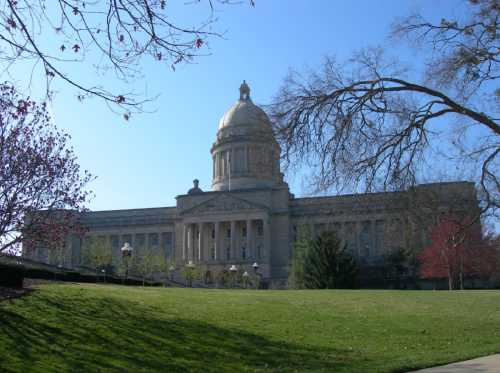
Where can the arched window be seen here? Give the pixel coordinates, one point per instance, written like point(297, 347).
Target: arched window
point(243, 252)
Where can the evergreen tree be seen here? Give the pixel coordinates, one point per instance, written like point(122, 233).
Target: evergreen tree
point(300, 246)
point(328, 265)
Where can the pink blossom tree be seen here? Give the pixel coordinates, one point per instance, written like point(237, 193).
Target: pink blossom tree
point(42, 189)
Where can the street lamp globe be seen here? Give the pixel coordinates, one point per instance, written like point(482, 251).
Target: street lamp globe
point(233, 268)
point(126, 249)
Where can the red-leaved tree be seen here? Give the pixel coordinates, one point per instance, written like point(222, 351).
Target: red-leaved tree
point(457, 251)
point(42, 189)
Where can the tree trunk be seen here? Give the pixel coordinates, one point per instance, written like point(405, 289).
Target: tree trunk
point(461, 275)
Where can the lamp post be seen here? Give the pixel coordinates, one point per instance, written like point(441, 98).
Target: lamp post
point(126, 256)
point(255, 267)
point(189, 273)
point(103, 271)
point(59, 268)
point(171, 270)
point(233, 269)
point(245, 279)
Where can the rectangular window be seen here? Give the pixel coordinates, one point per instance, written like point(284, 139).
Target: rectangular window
point(244, 232)
point(228, 233)
point(167, 243)
point(127, 238)
point(153, 240)
point(228, 253)
point(115, 247)
point(115, 243)
point(140, 240)
point(260, 228)
point(41, 254)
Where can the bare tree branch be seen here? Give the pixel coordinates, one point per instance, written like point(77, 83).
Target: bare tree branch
point(365, 125)
point(108, 36)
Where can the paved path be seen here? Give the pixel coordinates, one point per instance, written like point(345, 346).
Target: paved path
point(487, 364)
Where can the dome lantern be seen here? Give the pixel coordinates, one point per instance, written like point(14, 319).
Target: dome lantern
point(244, 91)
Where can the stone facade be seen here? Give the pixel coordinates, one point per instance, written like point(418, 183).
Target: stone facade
point(251, 216)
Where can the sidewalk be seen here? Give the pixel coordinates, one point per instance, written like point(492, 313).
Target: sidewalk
point(487, 364)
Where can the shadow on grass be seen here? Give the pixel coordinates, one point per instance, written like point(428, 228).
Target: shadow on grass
point(97, 334)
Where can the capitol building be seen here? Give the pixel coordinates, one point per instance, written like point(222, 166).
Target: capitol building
point(251, 216)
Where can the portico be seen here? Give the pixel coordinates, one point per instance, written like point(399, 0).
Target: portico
point(225, 229)
point(226, 240)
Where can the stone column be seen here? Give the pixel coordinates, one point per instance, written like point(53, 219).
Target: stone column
point(190, 242)
point(312, 231)
point(343, 233)
point(121, 242)
point(267, 239)
point(200, 241)
point(357, 232)
point(219, 172)
point(213, 167)
point(250, 249)
point(217, 248)
point(184, 242)
point(233, 239)
point(207, 254)
point(245, 160)
point(133, 238)
point(373, 243)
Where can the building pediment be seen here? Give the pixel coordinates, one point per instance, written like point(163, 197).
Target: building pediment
point(224, 204)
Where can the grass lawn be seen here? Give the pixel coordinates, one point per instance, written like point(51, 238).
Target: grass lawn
point(113, 328)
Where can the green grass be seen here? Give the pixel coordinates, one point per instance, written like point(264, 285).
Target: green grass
point(112, 328)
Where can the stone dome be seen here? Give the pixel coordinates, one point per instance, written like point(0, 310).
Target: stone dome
point(245, 153)
point(244, 118)
point(245, 113)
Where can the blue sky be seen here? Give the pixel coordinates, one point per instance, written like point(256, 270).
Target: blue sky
point(151, 159)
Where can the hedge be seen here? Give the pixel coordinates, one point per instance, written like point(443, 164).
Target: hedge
point(12, 276)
